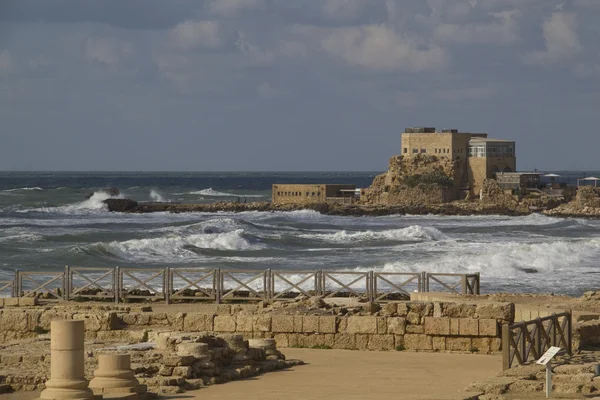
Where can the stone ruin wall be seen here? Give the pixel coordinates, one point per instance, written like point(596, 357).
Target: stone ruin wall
point(389, 189)
point(417, 326)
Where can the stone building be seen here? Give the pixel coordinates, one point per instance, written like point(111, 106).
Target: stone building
point(317, 193)
point(474, 156)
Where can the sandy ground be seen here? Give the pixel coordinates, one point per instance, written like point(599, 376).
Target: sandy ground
point(343, 374)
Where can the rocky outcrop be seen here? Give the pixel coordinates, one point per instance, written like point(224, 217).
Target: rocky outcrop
point(586, 204)
point(412, 181)
point(121, 205)
point(492, 193)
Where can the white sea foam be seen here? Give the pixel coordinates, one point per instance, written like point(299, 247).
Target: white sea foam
point(214, 193)
point(173, 247)
point(411, 233)
point(24, 189)
point(94, 203)
point(154, 195)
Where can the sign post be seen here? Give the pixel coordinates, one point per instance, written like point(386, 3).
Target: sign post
point(546, 360)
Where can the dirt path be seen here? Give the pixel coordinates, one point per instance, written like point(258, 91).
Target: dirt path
point(342, 374)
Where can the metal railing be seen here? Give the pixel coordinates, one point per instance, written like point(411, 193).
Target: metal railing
point(528, 340)
point(218, 285)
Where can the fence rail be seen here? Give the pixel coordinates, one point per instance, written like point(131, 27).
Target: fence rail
point(528, 340)
point(218, 285)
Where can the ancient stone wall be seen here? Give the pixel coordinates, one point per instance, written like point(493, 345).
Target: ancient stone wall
point(419, 326)
point(308, 194)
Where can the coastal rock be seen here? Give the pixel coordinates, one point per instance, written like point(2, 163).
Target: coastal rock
point(113, 192)
point(121, 205)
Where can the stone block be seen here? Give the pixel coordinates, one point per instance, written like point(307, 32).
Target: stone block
point(196, 322)
point(282, 323)
point(158, 319)
point(362, 342)
point(458, 344)
point(310, 324)
point(418, 342)
point(281, 340)
point(396, 325)
point(499, 311)
point(342, 324)
point(454, 326)
point(262, 323)
point(326, 339)
point(488, 327)
point(28, 301)
point(481, 345)
point(244, 323)
point(176, 321)
point(327, 324)
point(437, 309)
point(178, 361)
point(439, 343)
point(223, 309)
point(15, 321)
point(298, 323)
point(11, 359)
point(381, 342)
point(129, 319)
point(414, 318)
point(399, 342)
point(415, 329)
point(344, 341)
point(295, 340)
point(183, 372)
point(459, 310)
point(11, 302)
point(468, 327)
point(224, 323)
point(362, 325)
point(402, 309)
point(437, 326)
point(389, 309)
point(381, 325)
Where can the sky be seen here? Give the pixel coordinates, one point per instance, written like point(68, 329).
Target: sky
point(292, 85)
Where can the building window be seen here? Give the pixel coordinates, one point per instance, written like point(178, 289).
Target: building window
point(415, 151)
point(423, 150)
point(405, 150)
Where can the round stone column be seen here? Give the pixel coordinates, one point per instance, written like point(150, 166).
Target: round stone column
point(114, 375)
point(67, 365)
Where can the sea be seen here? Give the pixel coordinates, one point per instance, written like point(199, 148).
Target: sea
point(52, 219)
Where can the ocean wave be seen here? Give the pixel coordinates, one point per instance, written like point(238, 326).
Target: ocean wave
point(554, 260)
point(411, 233)
point(175, 247)
point(155, 196)
point(214, 193)
point(24, 189)
point(93, 204)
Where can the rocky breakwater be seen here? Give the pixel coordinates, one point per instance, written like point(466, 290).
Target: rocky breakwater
point(585, 205)
point(454, 208)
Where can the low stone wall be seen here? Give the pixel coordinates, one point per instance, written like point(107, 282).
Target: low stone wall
point(418, 326)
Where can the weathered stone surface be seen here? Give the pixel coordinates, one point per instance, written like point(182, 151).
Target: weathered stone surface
point(458, 344)
point(224, 323)
point(195, 322)
point(488, 327)
point(468, 327)
point(381, 342)
point(418, 342)
point(362, 325)
point(262, 323)
point(454, 322)
point(281, 340)
point(439, 343)
point(389, 309)
point(310, 324)
point(362, 341)
point(381, 325)
point(402, 309)
point(327, 324)
point(459, 310)
point(283, 323)
point(437, 326)
point(396, 325)
point(420, 329)
point(244, 323)
point(344, 341)
point(498, 311)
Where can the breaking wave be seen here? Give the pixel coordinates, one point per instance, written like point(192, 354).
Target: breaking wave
point(24, 189)
point(175, 247)
point(155, 196)
point(411, 233)
point(94, 203)
point(214, 193)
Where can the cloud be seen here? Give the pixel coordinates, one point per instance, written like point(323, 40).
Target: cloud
point(6, 63)
point(502, 30)
point(107, 51)
point(232, 7)
point(198, 34)
point(379, 47)
point(562, 41)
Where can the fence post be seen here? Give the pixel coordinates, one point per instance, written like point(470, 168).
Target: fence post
point(219, 285)
point(505, 347)
point(477, 283)
point(66, 284)
point(464, 284)
point(570, 332)
point(267, 284)
point(17, 289)
point(167, 285)
point(119, 283)
point(373, 286)
point(116, 284)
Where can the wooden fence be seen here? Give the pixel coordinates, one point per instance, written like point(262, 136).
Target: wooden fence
point(218, 285)
point(527, 341)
